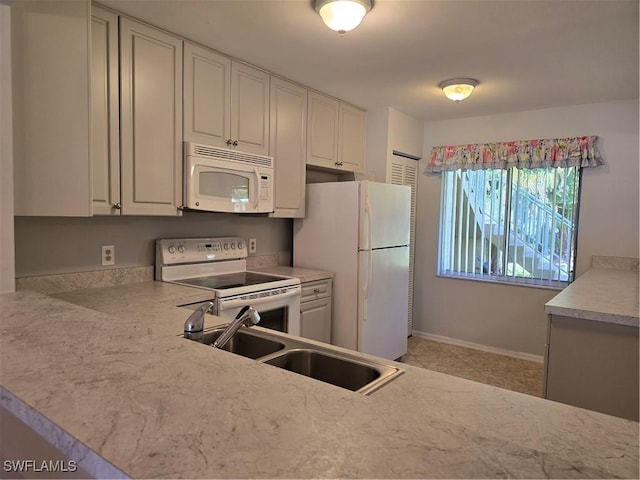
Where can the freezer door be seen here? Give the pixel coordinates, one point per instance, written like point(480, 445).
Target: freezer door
point(383, 303)
point(385, 215)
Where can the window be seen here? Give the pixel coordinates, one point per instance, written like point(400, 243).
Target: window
point(510, 225)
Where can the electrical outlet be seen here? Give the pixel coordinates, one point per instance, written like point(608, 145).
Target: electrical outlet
point(108, 255)
point(253, 245)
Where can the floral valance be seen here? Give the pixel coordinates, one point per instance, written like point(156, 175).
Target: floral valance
point(554, 152)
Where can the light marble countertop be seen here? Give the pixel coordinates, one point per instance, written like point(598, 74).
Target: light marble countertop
point(304, 274)
point(104, 376)
point(602, 295)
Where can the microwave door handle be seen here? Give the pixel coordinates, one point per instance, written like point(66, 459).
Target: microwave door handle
point(257, 189)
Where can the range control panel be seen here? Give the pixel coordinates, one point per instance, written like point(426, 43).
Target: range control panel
point(171, 251)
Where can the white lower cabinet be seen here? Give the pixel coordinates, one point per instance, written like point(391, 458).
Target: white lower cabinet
point(315, 310)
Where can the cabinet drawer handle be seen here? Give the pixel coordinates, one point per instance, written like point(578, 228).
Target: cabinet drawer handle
point(316, 290)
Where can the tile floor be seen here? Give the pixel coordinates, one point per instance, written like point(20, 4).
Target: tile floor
point(501, 371)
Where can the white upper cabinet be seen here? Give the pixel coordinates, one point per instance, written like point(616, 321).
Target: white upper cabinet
point(336, 134)
point(226, 103)
point(207, 96)
point(249, 109)
point(105, 127)
point(51, 107)
point(150, 120)
point(322, 127)
point(351, 137)
point(288, 146)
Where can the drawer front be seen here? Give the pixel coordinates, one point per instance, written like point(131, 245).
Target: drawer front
point(315, 290)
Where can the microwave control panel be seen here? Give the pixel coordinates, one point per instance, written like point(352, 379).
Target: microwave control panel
point(265, 183)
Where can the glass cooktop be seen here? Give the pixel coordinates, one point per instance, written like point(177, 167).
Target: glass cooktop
point(231, 280)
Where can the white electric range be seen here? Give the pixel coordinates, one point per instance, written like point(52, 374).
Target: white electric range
point(220, 265)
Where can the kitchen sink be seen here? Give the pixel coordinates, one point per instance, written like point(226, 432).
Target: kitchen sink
point(347, 370)
point(245, 344)
point(327, 368)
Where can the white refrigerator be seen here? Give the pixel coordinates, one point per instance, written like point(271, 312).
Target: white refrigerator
point(360, 232)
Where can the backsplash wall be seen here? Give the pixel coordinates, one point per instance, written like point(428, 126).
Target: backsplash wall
point(53, 245)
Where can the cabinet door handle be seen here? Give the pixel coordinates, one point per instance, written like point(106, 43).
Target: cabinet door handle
point(116, 206)
point(229, 141)
point(235, 143)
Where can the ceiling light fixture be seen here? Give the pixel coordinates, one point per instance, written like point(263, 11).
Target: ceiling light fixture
point(457, 89)
point(342, 15)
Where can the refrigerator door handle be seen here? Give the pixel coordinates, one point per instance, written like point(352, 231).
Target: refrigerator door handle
point(370, 224)
point(366, 285)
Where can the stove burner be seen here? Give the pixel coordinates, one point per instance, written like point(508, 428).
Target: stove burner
point(230, 280)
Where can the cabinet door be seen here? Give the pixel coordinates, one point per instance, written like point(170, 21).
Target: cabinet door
point(322, 128)
point(51, 107)
point(249, 109)
point(151, 120)
point(315, 320)
point(351, 138)
point(207, 96)
point(288, 147)
point(105, 129)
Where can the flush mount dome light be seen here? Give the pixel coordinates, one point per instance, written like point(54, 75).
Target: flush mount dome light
point(458, 89)
point(342, 15)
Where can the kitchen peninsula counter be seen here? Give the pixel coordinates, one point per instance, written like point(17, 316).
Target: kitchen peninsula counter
point(607, 293)
point(591, 354)
point(104, 376)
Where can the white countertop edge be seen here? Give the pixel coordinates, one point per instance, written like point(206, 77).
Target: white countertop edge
point(67, 444)
point(610, 318)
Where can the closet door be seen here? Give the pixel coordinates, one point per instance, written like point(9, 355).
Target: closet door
point(404, 171)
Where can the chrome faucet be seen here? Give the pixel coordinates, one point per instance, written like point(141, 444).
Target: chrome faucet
point(194, 325)
point(248, 317)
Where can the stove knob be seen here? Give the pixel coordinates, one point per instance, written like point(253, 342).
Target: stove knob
point(226, 246)
point(181, 248)
point(240, 245)
point(171, 249)
point(233, 246)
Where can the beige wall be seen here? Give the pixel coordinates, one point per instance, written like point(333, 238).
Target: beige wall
point(51, 245)
point(510, 317)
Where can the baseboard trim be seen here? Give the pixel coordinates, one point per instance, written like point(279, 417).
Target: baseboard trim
point(476, 346)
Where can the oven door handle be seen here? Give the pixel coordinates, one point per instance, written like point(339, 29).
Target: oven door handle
point(239, 302)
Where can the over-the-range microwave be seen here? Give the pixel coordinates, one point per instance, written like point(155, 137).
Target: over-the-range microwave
point(223, 180)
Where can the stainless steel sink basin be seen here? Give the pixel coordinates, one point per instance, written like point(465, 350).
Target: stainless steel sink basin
point(245, 343)
point(347, 370)
point(340, 371)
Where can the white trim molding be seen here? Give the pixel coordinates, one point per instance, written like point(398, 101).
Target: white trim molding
point(484, 348)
